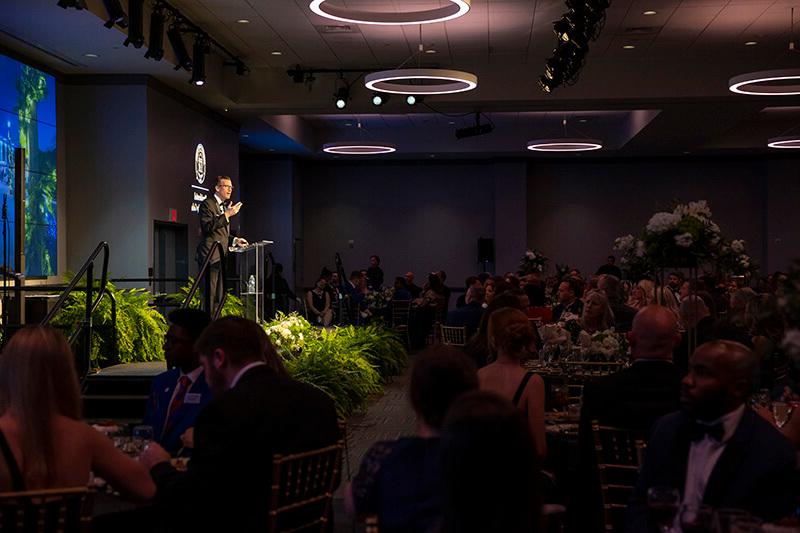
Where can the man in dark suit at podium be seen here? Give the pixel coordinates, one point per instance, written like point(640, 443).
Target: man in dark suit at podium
point(215, 214)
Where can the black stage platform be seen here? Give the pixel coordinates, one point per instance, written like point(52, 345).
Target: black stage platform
point(119, 392)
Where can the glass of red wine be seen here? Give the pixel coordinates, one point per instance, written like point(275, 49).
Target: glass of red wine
point(662, 504)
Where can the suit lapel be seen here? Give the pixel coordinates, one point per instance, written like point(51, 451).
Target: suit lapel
point(680, 458)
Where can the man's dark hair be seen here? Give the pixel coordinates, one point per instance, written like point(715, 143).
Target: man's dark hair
point(611, 258)
point(243, 341)
point(219, 179)
point(377, 258)
point(678, 274)
point(440, 375)
point(483, 276)
point(470, 280)
point(278, 268)
point(574, 285)
point(194, 321)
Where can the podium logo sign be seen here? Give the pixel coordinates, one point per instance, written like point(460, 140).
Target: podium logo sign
point(200, 163)
point(199, 193)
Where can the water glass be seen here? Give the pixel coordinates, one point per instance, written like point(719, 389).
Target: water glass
point(559, 396)
point(142, 436)
point(697, 519)
point(662, 503)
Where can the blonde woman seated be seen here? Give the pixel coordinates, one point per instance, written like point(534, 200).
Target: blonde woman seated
point(597, 315)
point(637, 298)
point(318, 302)
point(666, 298)
point(511, 338)
point(43, 441)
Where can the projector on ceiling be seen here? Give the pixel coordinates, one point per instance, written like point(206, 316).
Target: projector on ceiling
point(472, 131)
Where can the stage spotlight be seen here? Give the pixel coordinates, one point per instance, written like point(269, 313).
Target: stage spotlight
point(342, 96)
point(572, 29)
point(199, 61)
point(75, 4)
point(413, 99)
point(136, 25)
point(179, 48)
point(116, 15)
point(546, 84)
point(378, 99)
point(155, 48)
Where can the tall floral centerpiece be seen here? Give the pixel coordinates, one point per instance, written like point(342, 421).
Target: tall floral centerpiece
point(686, 237)
point(533, 262)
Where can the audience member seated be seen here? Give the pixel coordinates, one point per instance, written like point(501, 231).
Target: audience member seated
point(44, 443)
point(490, 477)
point(178, 395)
point(570, 305)
point(610, 268)
point(489, 290)
point(766, 325)
point(511, 339)
point(717, 451)
point(534, 288)
point(697, 322)
point(633, 398)
point(318, 303)
point(674, 282)
point(415, 290)
point(374, 274)
point(278, 285)
point(637, 298)
point(471, 281)
point(468, 315)
point(429, 307)
point(734, 327)
point(400, 480)
point(597, 315)
point(257, 411)
point(401, 291)
point(477, 347)
point(623, 314)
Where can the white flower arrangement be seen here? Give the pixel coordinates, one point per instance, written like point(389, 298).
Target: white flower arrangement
point(607, 343)
point(288, 333)
point(684, 239)
point(533, 262)
point(661, 222)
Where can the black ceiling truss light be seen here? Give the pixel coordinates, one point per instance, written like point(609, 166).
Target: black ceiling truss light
point(116, 15)
point(155, 48)
point(74, 4)
point(135, 23)
point(342, 95)
point(199, 51)
point(477, 129)
point(581, 24)
point(175, 37)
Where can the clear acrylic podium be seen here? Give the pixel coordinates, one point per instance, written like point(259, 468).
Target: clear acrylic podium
point(252, 272)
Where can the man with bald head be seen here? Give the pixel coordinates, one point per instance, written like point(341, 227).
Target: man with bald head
point(633, 398)
point(717, 451)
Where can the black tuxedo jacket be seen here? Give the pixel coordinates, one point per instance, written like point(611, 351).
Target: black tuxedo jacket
point(633, 398)
point(756, 471)
point(213, 227)
point(227, 484)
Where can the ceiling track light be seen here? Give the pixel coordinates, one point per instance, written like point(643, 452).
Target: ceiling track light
point(74, 4)
point(199, 50)
point(116, 15)
point(342, 97)
point(378, 99)
point(454, 9)
point(175, 37)
point(136, 23)
point(414, 99)
point(155, 45)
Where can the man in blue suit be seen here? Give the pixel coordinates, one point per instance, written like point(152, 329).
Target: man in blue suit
point(178, 395)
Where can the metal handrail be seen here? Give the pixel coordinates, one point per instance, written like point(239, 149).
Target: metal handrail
point(203, 274)
point(87, 268)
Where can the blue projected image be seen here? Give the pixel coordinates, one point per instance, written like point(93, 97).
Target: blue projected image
point(28, 120)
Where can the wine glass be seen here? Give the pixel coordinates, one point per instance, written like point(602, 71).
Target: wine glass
point(560, 397)
point(780, 410)
point(696, 519)
point(662, 502)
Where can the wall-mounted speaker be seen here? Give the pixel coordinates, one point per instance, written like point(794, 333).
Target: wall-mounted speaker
point(485, 250)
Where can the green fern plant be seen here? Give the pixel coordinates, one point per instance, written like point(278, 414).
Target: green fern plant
point(233, 305)
point(140, 328)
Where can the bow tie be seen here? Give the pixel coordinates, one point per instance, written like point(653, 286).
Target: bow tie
point(715, 431)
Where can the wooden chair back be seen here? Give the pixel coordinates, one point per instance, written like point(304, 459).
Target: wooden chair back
point(619, 455)
point(302, 489)
point(454, 335)
point(371, 524)
point(46, 511)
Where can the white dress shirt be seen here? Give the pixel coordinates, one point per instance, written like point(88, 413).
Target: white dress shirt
point(193, 375)
point(704, 454)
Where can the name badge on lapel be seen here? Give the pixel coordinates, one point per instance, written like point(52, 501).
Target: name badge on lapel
point(192, 398)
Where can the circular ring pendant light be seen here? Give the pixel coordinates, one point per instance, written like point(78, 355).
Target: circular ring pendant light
point(789, 142)
point(358, 148)
point(564, 145)
point(421, 81)
point(455, 9)
point(785, 82)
